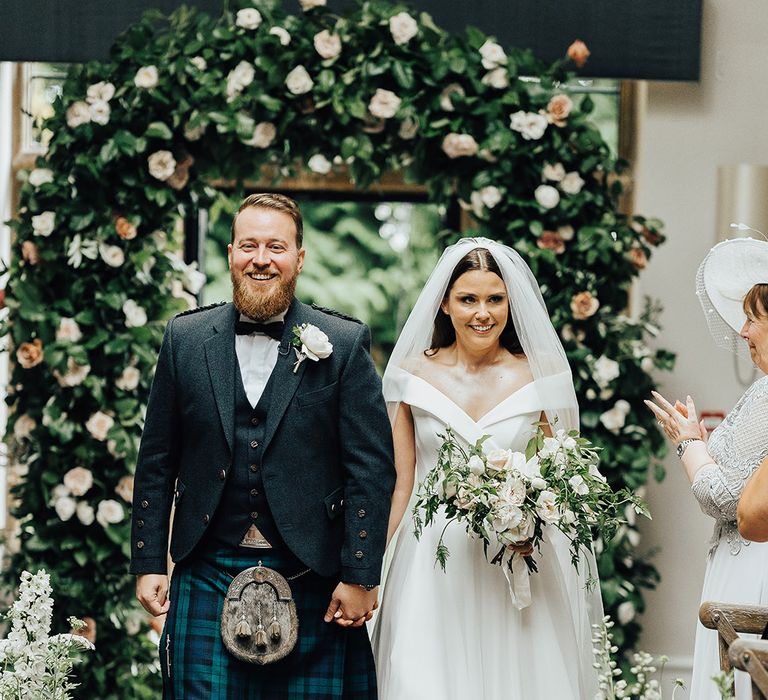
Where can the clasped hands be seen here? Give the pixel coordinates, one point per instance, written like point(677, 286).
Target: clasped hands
point(679, 422)
point(351, 605)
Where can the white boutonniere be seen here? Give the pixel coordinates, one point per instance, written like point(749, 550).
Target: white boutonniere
point(309, 342)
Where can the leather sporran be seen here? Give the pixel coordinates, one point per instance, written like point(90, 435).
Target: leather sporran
point(259, 623)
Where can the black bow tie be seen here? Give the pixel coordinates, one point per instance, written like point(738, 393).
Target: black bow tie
point(273, 330)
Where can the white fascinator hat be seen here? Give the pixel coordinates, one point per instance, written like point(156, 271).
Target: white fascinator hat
point(724, 277)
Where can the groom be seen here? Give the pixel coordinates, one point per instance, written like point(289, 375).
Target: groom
point(270, 456)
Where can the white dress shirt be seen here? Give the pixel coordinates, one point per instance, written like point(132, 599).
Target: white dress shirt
point(257, 357)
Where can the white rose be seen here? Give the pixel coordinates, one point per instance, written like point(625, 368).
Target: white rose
point(112, 255)
point(625, 613)
point(78, 113)
point(474, 481)
point(623, 406)
point(458, 145)
point(318, 163)
point(23, 427)
point(135, 315)
point(566, 232)
point(68, 330)
point(551, 445)
point(572, 183)
point(447, 93)
point(521, 533)
point(409, 127)
point(124, 488)
point(384, 104)
point(75, 375)
point(263, 135)
point(546, 507)
point(547, 196)
point(100, 112)
point(309, 4)
point(476, 465)
point(43, 224)
point(579, 485)
point(493, 55)
point(161, 164)
point(146, 77)
point(193, 278)
point(298, 81)
point(553, 172)
point(647, 364)
point(505, 517)
point(605, 371)
point(85, 513)
point(513, 490)
point(78, 480)
point(538, 483)
point(327, 45)
point(100, 92)
point(239, 78)
point(109, 512)
point(490, 196)
point(129, 379)
point(531, 125)
point(498, 78)
point(314, 343)
point(65, 507)
point(282, 34)
point(615, 418)
point(194, 133)
point(403, 28)
point(248, 18)
point(199, 62)
point(40, 176)
point(98, 425)
point(497, 460)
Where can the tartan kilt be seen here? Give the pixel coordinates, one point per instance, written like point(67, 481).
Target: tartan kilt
point(328, 662)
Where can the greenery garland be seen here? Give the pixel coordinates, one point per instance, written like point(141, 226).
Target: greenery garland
point(191, 99)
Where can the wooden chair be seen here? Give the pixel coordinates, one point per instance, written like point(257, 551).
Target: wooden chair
point(748, 655)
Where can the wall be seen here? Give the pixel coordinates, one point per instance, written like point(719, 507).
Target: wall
point(686, 131)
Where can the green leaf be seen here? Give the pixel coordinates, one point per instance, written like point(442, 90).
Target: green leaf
point(159, 130)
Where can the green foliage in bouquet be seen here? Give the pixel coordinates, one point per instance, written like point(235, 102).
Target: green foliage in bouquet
point(189, 100)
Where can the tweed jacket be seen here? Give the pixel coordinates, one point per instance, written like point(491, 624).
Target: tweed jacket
point(327, 464)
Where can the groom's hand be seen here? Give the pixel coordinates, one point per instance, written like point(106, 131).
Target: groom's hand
point(152, 592)
point(351, 605)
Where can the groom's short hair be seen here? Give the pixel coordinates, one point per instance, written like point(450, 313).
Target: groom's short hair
point(277, 202)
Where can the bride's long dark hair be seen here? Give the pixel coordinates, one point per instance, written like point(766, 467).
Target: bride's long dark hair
point(444, 334)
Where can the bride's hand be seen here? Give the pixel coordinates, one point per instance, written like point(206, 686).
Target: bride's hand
point(524, 549)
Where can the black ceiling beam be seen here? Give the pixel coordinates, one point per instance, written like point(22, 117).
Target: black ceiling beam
point(643, 39)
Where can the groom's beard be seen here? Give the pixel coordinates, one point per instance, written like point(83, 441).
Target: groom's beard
point(261, 304)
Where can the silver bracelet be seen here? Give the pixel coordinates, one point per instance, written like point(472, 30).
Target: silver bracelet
point(684, 445)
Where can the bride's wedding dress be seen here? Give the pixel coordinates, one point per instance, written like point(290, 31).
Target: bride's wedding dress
point(456, 635)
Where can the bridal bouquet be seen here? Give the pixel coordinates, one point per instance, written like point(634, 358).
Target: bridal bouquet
point(508, 498)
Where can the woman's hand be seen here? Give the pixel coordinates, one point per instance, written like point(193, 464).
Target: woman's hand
point(678, 423)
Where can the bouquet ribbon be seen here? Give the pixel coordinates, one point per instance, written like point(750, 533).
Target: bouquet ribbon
point(520, 581)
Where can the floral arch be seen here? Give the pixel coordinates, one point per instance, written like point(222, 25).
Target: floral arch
point(191, 100)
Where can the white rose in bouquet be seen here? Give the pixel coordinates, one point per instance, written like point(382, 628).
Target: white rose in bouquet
point(572, 183)
point(520, 533)
point(513, 491)
point(578, 484)
point(40, 176)
point(476, 465)
point(497, 460)
point(109, 512)
point(78, 480)
point(239, 78)
point(99, 424)
point(384, 104)
point(493, 55)
point(327, 45)
point(403, 28)
point(78, 113)
point(161, 165)
point(298, 81)
point(554, 172)
point(505, 517)
point(314, 343)
point(547, 196)
point(68, 330)
point(248, 18)
point(43, 224)
point(282, 35)
point(146, 77)
point(459, 145)
point(546, 507)
point(529, 124)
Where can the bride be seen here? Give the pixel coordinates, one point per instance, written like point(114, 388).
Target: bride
point(479, 354)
